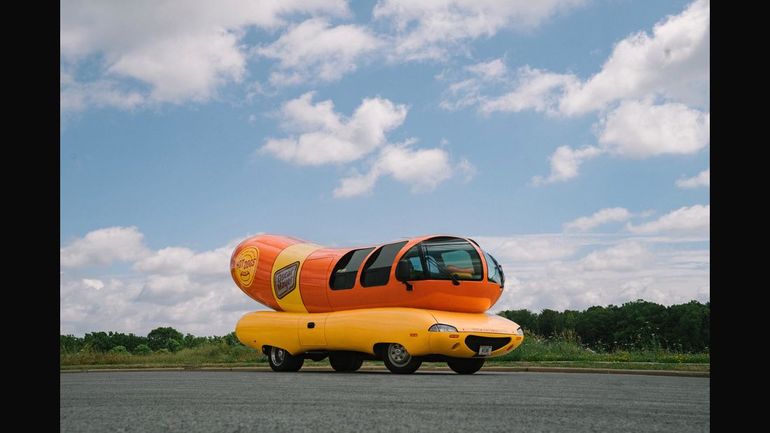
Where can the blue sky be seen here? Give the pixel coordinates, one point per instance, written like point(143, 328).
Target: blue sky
point(571, 136)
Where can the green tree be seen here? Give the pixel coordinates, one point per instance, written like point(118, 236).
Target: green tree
point(130, 341)
point(232, 340)
point(595, 327)
point(98, 341)
point(550, 323)
point(158, 338)
point(119, 350)
point(687, 326)
point(173, 345)
point(142, 349)
point(70, 344)
point(638, 324)
point(525, 318)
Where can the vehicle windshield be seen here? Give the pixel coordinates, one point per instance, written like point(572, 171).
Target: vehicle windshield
point(494, 270)
point(444, 259)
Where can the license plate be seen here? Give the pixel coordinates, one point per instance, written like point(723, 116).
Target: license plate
point(485, 350)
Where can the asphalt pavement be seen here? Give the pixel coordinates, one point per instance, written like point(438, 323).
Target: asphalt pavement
point(378, 401)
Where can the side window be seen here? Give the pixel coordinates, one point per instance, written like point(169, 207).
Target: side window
point(448, 257)
point(377, 269)
point(494, 271)
point(413, 257)
point(344, 273)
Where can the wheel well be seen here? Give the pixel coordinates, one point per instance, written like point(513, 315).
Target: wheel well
point(379, 349)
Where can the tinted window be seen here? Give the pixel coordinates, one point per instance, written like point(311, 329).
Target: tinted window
point(494, 271)
point(416, 271)
point(447, 257)
point(344, 273)
point(377, 269)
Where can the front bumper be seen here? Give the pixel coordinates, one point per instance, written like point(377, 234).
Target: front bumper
point(466, 344)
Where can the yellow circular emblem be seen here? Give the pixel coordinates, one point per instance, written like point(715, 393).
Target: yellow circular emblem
point(246, 265)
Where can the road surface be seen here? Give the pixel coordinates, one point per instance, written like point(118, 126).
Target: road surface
point(378, 401)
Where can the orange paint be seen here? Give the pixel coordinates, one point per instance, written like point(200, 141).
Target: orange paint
point(315, 271)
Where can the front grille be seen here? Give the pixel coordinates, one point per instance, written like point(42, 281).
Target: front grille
point(474, 342)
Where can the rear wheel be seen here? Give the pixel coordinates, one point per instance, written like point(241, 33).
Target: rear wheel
point(399, 361)
point(345, 361)
point(281, 360)
point(466, 365)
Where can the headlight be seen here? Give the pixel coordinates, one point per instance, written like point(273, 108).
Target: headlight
point(519, 331)
point(440, 327)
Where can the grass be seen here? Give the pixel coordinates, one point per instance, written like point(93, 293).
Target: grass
point(206, 354)
point(534, 352)
point(538, 349)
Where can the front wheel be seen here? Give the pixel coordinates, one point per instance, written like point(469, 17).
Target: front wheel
point(345, 361)
point(281, 360)
point(466, 365)
point(399, 361)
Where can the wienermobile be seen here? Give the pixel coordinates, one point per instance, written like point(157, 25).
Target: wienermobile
point(419, 299)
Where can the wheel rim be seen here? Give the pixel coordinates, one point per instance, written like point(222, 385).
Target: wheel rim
point(277, 355)
point(398, 355)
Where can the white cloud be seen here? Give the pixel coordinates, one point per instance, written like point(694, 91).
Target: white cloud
point(492, 70)
point(357, 184)
point(140, 303)
point(701, 179)
point(430, 29)
point(461, 94)
point(466, 169)
point(529, 248)
point(183, 260)
point(622, 257)
point(685, 220)
point(672, 62)
point(327, 137)
point(536, 90)
point(93, 284)
point(422, 169)
point(104, 93)
point(467, 92)
point(103, 247)
point(600, 217)
point(313, 50)
point(565, 163)
point(598, 270)
point(178, 51)
point(191, 291)
point(670, 66)
point(640, 129)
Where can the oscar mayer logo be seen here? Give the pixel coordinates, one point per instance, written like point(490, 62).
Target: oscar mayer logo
point(285, 280)
point(246, 265)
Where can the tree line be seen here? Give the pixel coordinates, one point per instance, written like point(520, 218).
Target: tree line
point(637, 325)
point(163, 339)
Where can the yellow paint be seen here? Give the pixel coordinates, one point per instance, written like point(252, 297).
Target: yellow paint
point(292, 301)
point(246, 265)
point(360, 330)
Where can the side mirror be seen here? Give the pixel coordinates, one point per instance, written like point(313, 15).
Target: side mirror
point(403, 270)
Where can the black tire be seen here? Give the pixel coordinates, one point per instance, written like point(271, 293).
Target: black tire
point(399, 361)
point(345, 361)
point(466, 365)
point(281, 360)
